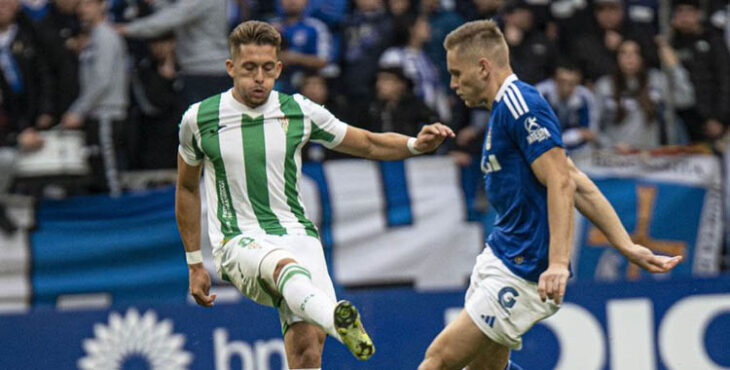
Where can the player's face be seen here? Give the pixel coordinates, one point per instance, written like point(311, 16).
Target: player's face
point(467, 78)
point(254, 71)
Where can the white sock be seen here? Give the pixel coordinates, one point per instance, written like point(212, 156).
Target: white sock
point(306, 300)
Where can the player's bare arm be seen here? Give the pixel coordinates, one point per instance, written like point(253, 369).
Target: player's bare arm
point(390, 146)
point(552, 170)
point(187, 213)
point(591, 203)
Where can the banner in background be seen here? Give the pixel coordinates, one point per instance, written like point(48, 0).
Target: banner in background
point(402, 222)
point(96, 250)
point(670, 204)
point(681, 324)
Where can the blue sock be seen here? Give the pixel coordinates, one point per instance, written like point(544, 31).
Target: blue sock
point(513, 366)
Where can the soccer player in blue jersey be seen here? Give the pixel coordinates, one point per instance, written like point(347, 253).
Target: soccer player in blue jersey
point(520, 277)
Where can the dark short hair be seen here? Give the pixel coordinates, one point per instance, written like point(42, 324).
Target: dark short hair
point(253, 32)
point(565, 63)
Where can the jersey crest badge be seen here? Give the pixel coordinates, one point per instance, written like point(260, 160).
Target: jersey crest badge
point(284, 122)
point(535, 132)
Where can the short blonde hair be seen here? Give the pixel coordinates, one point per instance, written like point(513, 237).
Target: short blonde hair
point(479, 38)
point(253, 32)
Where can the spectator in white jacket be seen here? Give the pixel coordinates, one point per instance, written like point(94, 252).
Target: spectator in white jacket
point(631, 101)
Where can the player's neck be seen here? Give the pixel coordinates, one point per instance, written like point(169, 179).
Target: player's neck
point(237, 97)
point(494, 84)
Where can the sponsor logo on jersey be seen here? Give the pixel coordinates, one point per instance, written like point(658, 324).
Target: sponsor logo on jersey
point(535, 132)
point(490, 164)
point(507, 297)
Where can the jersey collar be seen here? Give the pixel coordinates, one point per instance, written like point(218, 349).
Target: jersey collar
point(502, 89)
point(253, 112)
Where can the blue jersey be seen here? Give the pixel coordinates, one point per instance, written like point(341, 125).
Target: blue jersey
point(521, 128)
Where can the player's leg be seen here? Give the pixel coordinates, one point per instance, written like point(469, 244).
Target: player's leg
point(293, 281)
point(459, 344)
point(304, 343)
point(343, 315)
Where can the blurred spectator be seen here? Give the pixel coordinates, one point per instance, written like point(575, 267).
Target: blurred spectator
point(532, 53)
point(705, 56)
point(331, 12)
point(400, 8)
point(571, 18)
point(59, 32)
point(595, 52)
point(201, 35)
point(573, 104)
point(306, 44)
point(410, 36)
point(367, 33)
point(719, 16)
point(470, 125)
point(316, 88)
point(155, 89)
point(395, 108)
point(24, 98)
point(35, 9)
point(26, 85)
point(643, 15)
point(442, 22)
point(486, 9)
point(101, 107)
point(630, 102)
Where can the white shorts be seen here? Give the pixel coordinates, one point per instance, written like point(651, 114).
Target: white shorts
point(501, 304)
point(239, 259)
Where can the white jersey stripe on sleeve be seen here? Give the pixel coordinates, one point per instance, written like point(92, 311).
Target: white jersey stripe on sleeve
point(512, 99)
point(511, 108)
point(520, 98)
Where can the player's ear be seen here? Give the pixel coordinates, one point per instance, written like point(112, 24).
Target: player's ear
point(279, 67)
point(485, 67)
point(229, 67)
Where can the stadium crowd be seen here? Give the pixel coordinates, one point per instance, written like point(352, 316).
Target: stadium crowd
point(123, 71)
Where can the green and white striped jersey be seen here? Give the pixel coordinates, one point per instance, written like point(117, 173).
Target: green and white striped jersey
point(252, 161)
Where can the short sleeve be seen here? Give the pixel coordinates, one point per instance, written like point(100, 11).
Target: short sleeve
point(327, 129)
point(535, 132)
point(189, 149)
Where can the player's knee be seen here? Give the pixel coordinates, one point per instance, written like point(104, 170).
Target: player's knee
point(305, 354)
point(272, 264)
point(306, 358)
point(280, 266)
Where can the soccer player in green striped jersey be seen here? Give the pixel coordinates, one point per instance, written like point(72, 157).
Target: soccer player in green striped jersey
point(248, 141)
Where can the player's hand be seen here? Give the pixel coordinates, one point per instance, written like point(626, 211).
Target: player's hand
point(552, 283)
point(200, 285)
point(649, 261)
point(431, 136)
